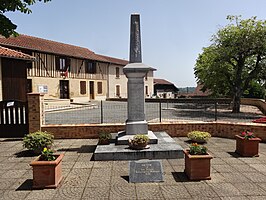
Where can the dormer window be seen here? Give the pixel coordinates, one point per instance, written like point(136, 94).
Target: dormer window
point(90, 67)
point(62, 63)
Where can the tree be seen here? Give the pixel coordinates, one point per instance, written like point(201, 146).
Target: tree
point(256, 90)
point(235, 58)
point(7, 28)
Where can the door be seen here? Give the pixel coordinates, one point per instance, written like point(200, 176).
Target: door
point(92, 90)
point(117, 90)
point(64, 89)
point(13, 118)
point(14, 79)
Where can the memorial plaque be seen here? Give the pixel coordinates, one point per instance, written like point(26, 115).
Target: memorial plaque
point(145, 171)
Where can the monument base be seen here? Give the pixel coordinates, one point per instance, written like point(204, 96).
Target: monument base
point(123, 137)
point(167, 148)
point(136, 127)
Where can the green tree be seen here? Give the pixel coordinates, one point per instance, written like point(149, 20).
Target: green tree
point(255, 90)
point(7, 27)
point(235, 58)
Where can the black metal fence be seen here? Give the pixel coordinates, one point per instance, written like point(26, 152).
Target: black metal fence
point(156, 111)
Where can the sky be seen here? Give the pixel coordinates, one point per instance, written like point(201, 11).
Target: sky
point(173, 32)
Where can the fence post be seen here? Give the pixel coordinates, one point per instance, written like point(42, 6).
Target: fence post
point(101, 111)
point(160, 110)
point(35, 111)
point(215, 107)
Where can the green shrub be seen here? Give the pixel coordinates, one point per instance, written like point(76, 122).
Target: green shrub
point(47, 155)
point(105, 136)
point(37, 141)
point(139, 139)
point(199, 136)
point(196, 149)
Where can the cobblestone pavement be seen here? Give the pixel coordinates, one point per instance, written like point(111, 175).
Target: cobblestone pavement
point(233, 177)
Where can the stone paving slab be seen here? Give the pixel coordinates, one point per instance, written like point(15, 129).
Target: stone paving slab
point(233, 177)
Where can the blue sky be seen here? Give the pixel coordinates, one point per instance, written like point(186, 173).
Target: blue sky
point(173, 31)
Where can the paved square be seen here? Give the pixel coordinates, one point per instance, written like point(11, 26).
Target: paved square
point(233, 177)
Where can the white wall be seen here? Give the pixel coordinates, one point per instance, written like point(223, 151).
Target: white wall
point(149, 83)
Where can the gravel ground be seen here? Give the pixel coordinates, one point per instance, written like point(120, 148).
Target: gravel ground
point(116, 112)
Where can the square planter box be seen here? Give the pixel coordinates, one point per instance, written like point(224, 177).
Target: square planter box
point(247, 148)
point(197, 167)
point(47, 174)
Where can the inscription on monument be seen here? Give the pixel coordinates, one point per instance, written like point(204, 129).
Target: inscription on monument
point(135, 40)
point(145, 171)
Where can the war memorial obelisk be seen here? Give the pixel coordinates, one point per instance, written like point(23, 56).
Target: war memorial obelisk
point(162, 145)
point(135, 71)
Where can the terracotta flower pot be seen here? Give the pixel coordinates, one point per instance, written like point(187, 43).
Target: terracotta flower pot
point(197, 167)
point(247, 148)
point(47, 174)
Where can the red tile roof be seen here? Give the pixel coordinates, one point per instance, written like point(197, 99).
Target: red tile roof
point(198, 91)
point(9, 53)
point(48, 46)
point(161, 82)
point(115, 60)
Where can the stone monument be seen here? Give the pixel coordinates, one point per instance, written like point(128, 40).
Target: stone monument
point(135, 71)
point(162, 145)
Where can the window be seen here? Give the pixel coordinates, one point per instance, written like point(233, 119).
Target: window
point(147, 90)
point(90, 67)
point(117, 72)
point(99, 87)
point(62, 63)
point(117, 90)
point(83, 87)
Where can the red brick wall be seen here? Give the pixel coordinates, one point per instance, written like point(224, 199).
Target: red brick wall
point(35, 109)
point(219, 129)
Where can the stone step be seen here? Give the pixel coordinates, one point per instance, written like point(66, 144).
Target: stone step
point(166, 148)
point(122, 138)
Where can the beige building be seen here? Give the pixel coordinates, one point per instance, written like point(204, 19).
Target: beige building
point(117, 81)
point(70, 72)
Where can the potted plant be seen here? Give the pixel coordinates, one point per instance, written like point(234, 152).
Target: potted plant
point(197, 162)
point(247, 144)
point(37, 141)
point(104, 138)
point(199, 136)
point(47, 169)
point(139, 141)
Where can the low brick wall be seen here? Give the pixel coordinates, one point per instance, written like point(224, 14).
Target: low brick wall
point(259, 103)
point(176, 129)
point(81, 130)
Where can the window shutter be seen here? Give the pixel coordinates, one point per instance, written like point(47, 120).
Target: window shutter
point(82, 87)
point(117, 72)
point(67, 64)
point(94, 68)
point(57, 63)
point(100, 87)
